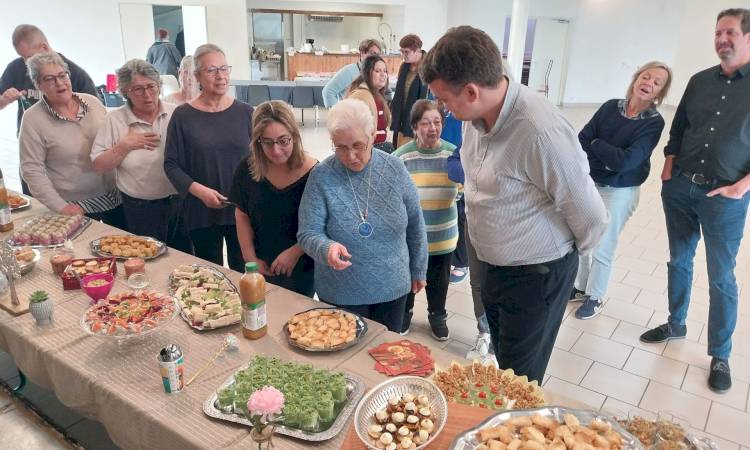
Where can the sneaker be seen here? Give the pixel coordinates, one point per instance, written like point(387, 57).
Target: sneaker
point(458, 274)
point(663, 333)
point(406, 323)
point(591, 307)
point(481, 348)
point(719, 379)
point(577, 295)
point(439, 327)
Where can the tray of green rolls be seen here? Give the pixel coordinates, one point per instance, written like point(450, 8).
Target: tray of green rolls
point(317, 402)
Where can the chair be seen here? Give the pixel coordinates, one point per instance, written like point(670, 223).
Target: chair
point(169, 85)
point(302, 97)
point(110, 99)
point(258, 93)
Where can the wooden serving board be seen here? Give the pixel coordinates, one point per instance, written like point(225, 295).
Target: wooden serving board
point(460, 419)
point(16, 310)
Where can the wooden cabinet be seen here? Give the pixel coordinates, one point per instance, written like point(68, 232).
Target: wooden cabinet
point(331, 63)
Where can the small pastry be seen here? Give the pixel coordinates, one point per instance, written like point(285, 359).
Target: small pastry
point(381, 416)
point(398, 417)
point(394, 404)
point(427, 425)
point(424, 435)
point(391, 446)
point(408, 398)
point(406, 443)
point(423, 400)
point(391, 428)
point(410, 408)
point(386, 438)
point(375, 431)
point(403, 432)
point(412, 422)
point(425, 412)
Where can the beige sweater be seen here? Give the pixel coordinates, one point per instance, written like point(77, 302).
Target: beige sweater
point(55, 155)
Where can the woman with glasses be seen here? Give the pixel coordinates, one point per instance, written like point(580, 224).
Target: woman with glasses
point(55, 143)
point(426, 159)
point(207, 138)
point(409, 89)
point(361, 222)
point(370, 87)
point(267, 190)
point(131, 142)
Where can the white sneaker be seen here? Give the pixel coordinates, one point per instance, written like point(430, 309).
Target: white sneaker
point(481, 348)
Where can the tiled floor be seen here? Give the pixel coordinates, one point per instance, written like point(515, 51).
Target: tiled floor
point(599, 362)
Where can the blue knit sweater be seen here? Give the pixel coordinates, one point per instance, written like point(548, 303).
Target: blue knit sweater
point(384, 264)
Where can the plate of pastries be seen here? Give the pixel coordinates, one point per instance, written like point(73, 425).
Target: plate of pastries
point(126, 246)
point(324, 329)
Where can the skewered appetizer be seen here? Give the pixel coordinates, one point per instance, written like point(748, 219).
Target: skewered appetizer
point(129, 313)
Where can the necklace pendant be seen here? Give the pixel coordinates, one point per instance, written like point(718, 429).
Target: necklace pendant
point(364, 229)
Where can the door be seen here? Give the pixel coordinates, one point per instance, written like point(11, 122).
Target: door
point(548, 65)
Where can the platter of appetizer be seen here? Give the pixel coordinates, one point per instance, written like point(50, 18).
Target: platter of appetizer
point(124, 246)
point(48, 230)
point(207, 299)
point(317, 402)
point(324, 329)
point(128, 314)
point(18, 202)
point(27, 257)
point(663, 434)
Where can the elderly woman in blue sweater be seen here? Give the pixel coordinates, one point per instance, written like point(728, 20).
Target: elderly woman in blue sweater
point(618, 141)
point(361, 222)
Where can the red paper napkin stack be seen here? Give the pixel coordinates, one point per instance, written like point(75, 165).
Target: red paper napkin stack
point(402, 358)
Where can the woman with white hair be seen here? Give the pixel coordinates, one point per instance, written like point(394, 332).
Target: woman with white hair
point(188, 84)
point(131, 142)
point(55, 143)
point(207, 138)
point(361, 222)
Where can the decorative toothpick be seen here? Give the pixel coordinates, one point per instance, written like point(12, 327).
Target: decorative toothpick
point(229, 343)
point(9, 266)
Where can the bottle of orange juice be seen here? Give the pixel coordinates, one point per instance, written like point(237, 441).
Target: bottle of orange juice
point(253, 296)
point(6, 223)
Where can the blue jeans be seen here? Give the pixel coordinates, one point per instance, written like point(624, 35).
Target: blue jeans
point(722, 220)
point(595, 268)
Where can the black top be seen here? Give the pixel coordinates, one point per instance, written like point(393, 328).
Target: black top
point(16, 76)
point(206, 147)
point(402, 104)
point(273, 212)
point(619, 147)
point(710, 132)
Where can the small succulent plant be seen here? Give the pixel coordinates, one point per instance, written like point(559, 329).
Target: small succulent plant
point(38, 297)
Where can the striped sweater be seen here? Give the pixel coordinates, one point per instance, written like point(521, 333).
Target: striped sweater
point(437, 194)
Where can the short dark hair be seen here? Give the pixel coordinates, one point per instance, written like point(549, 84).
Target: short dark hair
point(741, 13)
point(420, 107)
point(367, 43)
point(410, 41)
point(25, 33)
point(463, 55)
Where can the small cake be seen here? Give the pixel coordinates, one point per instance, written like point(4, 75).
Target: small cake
point(375, 431)
point(381, 416)
point(386, 438)
point(391, 428)
point(410, 408)
point(425, 412)
point(398, 417)
point(423, 400)
point(412, 422)
point(427, 425)
point(403, 432)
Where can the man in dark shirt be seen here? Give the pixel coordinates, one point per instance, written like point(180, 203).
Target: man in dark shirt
point(15, 84)
point(706, 179)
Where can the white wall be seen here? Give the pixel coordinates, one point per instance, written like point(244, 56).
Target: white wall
point(428, 19)
point(137, 29)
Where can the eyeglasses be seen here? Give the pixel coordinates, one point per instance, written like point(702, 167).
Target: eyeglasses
point(427, 123)
point(358, 147)
point(141, 90)
point(62, 77)
point(406, 52)
point(283, 141)
point(213, 71)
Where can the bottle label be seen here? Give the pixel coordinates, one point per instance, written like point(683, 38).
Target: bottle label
point(254, 316)
point(4, 215)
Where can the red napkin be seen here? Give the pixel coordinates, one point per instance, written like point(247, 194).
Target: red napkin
point(402, 358)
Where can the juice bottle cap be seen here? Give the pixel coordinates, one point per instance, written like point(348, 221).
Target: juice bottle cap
point(251, 266)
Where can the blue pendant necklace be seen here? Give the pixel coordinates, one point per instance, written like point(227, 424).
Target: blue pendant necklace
point(364, 228)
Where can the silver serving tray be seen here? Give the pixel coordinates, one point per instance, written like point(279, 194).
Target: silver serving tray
point(183, 315)
point(84, 224)
point(24, 206)
point(126, 337)
point(355, 389)
point(96, 250)
point(692, 442)
point(468, 441)
point(361, 331)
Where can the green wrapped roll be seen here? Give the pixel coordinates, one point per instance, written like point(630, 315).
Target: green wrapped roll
point(325, 410)
point(309, 419)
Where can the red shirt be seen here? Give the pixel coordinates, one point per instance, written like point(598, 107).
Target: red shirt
point(382, 132)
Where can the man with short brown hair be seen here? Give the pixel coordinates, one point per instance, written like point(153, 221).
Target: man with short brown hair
point(531, 205)
point(337, 87)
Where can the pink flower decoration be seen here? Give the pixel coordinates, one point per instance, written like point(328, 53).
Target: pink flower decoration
point(266, 403)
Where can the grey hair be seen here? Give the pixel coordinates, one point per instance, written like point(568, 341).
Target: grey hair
point(35, 63)
point(187, 63)
point(202, 51)
point(351, 114)
point(27, 33)
point(135, 67)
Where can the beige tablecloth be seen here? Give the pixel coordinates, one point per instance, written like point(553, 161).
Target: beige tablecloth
point(120, 386)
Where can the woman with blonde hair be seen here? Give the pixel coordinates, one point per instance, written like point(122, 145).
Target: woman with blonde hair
point(188, 84)
point(267, 190)
point(618, 141)
point(370, 87)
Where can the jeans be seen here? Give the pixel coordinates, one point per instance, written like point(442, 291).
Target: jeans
point(160, 219)
point(207, 242)
point(438, 279)
point(595, 268)
point(722, 220)
point(460, 259)
point(525, 306)
point(390, 314)
point(476, 277)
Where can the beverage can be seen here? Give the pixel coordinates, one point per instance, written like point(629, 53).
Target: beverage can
point(172, 368)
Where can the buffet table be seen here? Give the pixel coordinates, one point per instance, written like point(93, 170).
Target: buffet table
point(120, 386)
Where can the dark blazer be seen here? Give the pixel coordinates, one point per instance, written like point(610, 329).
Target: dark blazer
point(401, 106)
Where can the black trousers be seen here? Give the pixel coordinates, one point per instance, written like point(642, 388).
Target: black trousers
point(460, 258)
point(207, 243)
point(114, 217)
point(160, 219)
point(390, 314)
point(525, 306)
point(438, 279)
